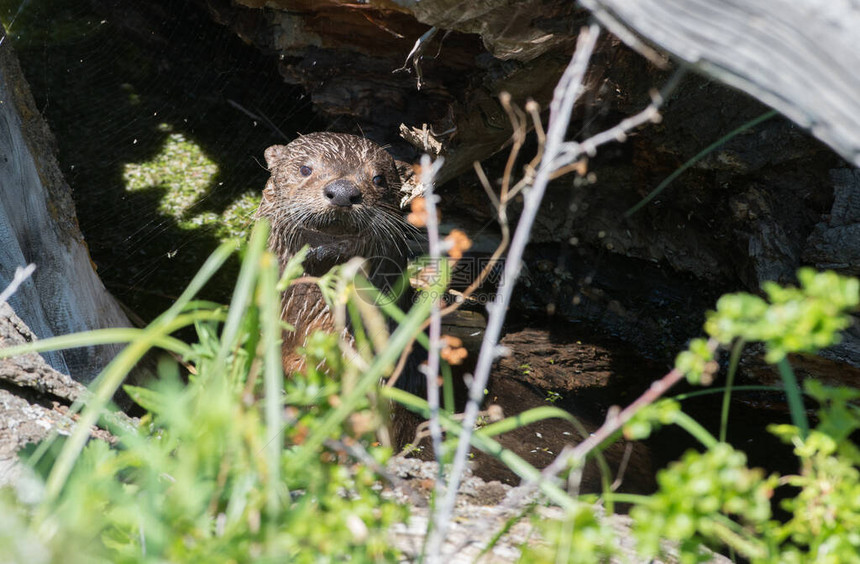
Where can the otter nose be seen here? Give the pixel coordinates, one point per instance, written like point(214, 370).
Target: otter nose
point(342, 193)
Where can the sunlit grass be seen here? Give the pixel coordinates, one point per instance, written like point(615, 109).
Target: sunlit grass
point(235, 465)
point(181, 168)
point(185, 176)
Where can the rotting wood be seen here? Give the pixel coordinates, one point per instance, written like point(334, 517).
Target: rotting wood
point(35, 400)
point(353, 60)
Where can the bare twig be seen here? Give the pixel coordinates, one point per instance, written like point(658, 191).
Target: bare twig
point(566, 93)
point(533, 110)
point(482, 276)
point(415, 54)
point(357, 450)
point(259, 117)
point(429, 169)
point(572, 150)
point(422, 431)
point(615, 420)
point(401, 364)
point(572, 456)
point(21, 275)
point(518, 123)
point(555, 156)
point(485, 184)
point(622, 467)
point(501, 206)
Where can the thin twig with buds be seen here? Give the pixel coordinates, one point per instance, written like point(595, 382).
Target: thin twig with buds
point(565, 95)
point(428, 174)
point(556, 156)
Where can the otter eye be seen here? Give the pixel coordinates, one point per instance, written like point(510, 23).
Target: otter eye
point(379, 180)
point(305, 170)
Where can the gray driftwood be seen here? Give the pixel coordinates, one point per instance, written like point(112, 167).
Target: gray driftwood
point(798, 56)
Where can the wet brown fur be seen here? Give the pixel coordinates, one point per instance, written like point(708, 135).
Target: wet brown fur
point(300, 214)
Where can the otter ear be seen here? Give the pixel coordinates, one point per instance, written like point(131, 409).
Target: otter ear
point(275, 154)
point(269, 190)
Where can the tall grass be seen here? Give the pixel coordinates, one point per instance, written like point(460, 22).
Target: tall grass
point(232, 461)
point(235, 464)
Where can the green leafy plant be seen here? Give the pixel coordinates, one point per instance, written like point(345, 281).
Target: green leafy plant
point(553, 396)
point(803, 319)
point(712, 497)
point(240, 463)
point(703, 498)
point(825, 515)
point(237, 464)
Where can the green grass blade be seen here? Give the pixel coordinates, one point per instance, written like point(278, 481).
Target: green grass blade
point(727, 393)
point(794, 397)
point(406, 331)
point(273, 376)
point(695, 429)
point(243, 293)
point(722, 390)
point(528, 417)
point(486, 444)
point(418, 405)
point(92, 338)
point(215, 261)
point(699, 156)
point(546, 412)
point(116, 371)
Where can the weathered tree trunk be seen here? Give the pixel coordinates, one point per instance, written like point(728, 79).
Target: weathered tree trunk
point(797, 56)
point(38, 225)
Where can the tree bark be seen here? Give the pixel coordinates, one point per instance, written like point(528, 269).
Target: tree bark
point(38, 225)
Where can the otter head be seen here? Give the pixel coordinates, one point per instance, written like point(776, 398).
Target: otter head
point(337, 193)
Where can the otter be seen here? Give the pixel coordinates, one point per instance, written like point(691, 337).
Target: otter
point(339, 194)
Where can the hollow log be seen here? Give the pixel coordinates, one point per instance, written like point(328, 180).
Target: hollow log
point(38, 225)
